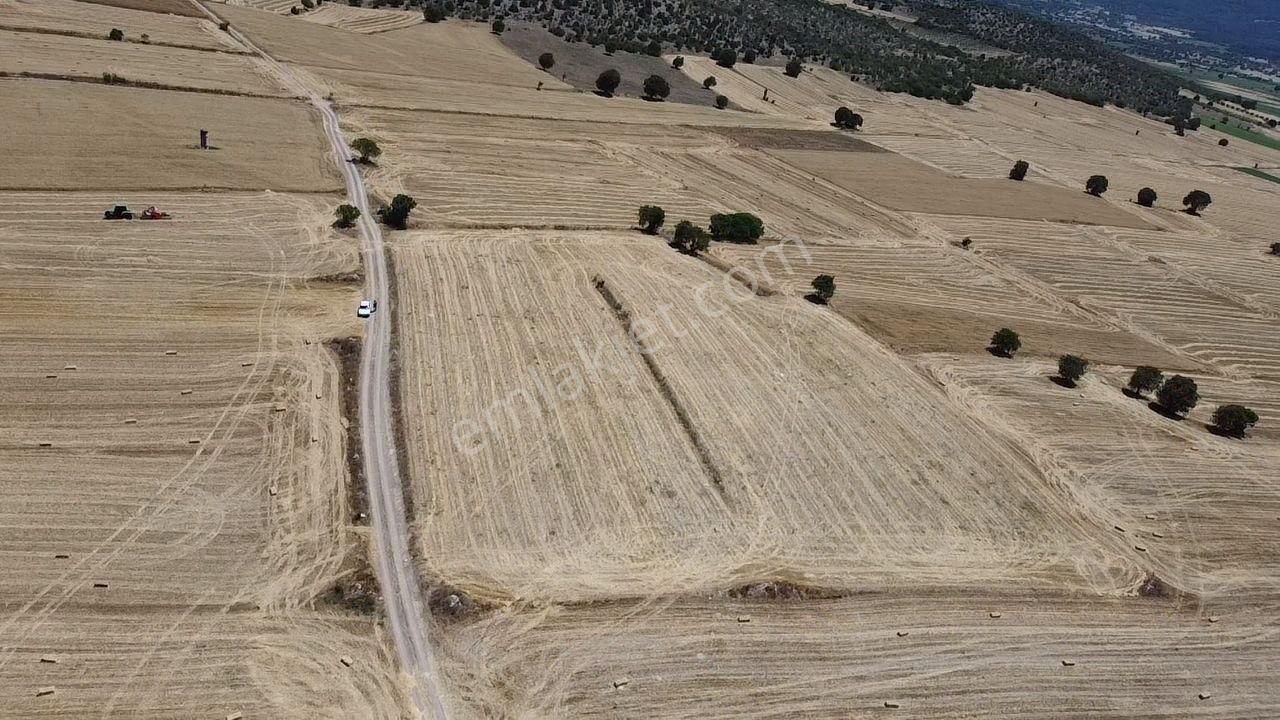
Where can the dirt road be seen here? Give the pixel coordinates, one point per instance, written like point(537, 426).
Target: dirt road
point(400, 589)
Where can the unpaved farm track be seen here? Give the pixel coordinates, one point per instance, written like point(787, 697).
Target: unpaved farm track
point(400, 590)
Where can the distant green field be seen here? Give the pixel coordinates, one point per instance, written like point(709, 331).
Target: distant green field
point(1259, 174)
point(1249, 135)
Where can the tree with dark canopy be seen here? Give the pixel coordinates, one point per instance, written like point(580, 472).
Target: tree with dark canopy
point(824, 288)
point(115, 34)
point(367, 148)
point(722, 102)
point(1234, 420)
point(608, 81)
point(1071, 368)
point(1146, 197)
point(1096, 185)
point(738, 227)
point(1005, 342)
point(546, 61)
point(1019, 170)
point(678, 62)
point(1145, 379)
point(433, 13)
point(1196, 201)
point(499, 26)
point(1178, 394)
point(727, 58)
point(793, 67)
point(656, 87)
point(1275, 248)
point(396, 214)
point(651, 218)
point(848, 119)
point(347, 216)
point(1223, 142)
point(690, 238)
point(709, 82)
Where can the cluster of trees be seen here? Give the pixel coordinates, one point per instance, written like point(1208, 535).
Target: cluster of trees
point(367, 149)
point(1194, 202)
point(1175, 396)
point(847, 119)
point(870, 49)
point(741, 227)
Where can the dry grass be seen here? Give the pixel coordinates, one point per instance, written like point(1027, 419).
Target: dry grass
point(97, 20)
point(368, 21)
point(63, 135)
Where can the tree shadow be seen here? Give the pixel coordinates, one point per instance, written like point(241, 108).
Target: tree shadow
point(1062, 382)
point(1133, 394)
point(1222, 433)
point(1162, 410)
point(815, 298)
point(646, 98)
point(998, 352)
point(602, 93)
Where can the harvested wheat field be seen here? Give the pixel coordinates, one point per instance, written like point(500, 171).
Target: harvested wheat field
point(70, 136)
point(368, 21)
point(75, 17)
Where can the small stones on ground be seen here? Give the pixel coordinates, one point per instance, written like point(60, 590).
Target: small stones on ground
point(346, 660)
point(47, 690)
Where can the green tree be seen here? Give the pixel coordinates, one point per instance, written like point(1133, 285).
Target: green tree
point(347, 216)
point(651, 218)
point(749, 56)
point(738, 227)
point(1145, 379)
point(656, 87)
point(690, 238)
point(1275, 248)
point(608, 81)
point(846, 118)
point(1196, 201)
point(1234, 420)
point(396, 215)
point(1146, 197)
point(653, 49)
point(115, 34)
point(1005, 342)
point(722, 102)
point(1223, 142)
point(1178, 394)
point(709, 82)
point(727, 58)
point(793, 67)
point(1019, 170)
point(546, 61)
point(678, 62)
point(1071, 368)
point(1096, 185)
point(433, 13)
point(824, 288)
point(367, 148)
point(499, 26)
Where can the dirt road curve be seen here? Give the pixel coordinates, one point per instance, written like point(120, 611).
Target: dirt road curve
point(400, 589)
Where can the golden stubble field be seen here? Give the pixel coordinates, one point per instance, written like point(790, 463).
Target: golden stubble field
point(178, 512)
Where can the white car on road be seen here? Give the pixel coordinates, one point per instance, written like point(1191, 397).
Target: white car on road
point(367, 308)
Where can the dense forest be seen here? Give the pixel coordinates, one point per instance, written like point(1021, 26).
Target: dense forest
point(868, 48)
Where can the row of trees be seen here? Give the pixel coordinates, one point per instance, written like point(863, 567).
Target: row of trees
point(741, 227)
point(1194, 202)
point(1176, 396)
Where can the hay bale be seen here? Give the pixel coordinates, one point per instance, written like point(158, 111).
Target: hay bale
point(744, 618)
point(186, 392)
point(1205, 695)
point(1213, 618)
point(280, 408)
point(193, 441)
point(891, 705)
point(46, 690)
point(1157, 535)
point(131, 421)
point(248, 363)
point(272, 491)
point(46, 444)
point(51, 660)
point(903, 633)
point(1068, 663)
point(50, 377)
point(1140, 548)
point(620, 683)
point(68, 367)
point(235, 716)
point(994, 615)
point(100, 585)
point(346, 660)
point(170, 352)
point(1150, 516)
point(1117, 527)
point(61, 556)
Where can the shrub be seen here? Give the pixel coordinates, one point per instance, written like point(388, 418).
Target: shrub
point(651, 218)
point(308, 4)
point(1071, 368)
point(608, 81)
point(727, 58)
point(1019, 170)
point(824, 288)
point(1234, 420)
point(115, 34)
point(678, 62)
point(656, 87)
point(145, 38)
point(709, 82)
point(433, 13)
point(749, 57)
point(1223, 142)
point(1145, 379)
point(367, 148)
point(653, 49)
point(690, 238)
point(1275, 248)
point(113, 79)
point(722, 102)
point(1196, 201)
point(498, 26)
point(546, 61)
point(793, 67)
point(966, 243)
point(396, 215)
point(1178, 394)
point(1096, 185)
point(347, 216)
point(846, 118)
point(738, 227)
point(294, 10)
point(1146, 197)
point(1005, 342)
